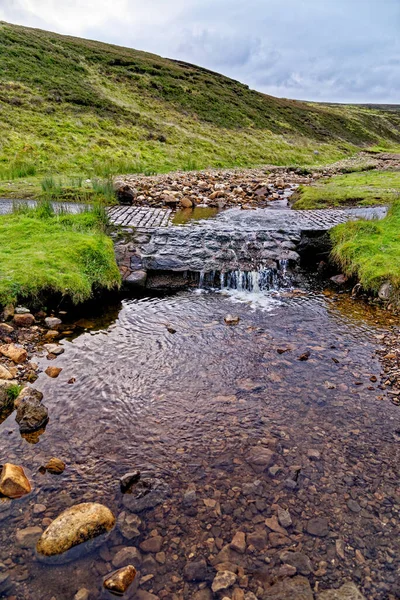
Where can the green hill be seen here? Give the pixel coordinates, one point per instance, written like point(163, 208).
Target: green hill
point(75, 106)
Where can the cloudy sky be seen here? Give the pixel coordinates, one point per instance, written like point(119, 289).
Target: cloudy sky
point(327, 50)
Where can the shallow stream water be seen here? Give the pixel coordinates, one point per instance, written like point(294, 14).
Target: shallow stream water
point(188, 407)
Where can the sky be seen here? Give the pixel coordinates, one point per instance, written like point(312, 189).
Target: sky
point(323, 50)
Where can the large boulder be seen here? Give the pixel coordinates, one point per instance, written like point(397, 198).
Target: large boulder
point(13, 481)
point(125, 193)
point(31, 413)
point(77, 530)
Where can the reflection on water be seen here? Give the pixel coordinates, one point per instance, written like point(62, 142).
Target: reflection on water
point(190, 215)
point(187, 407)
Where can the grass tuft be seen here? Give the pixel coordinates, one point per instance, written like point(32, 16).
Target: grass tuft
point(370, 250)
point(362, 189)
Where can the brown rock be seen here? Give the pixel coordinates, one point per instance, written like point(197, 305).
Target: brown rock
point(13, 481)
point(318, 527)
point(152, 544)
point(73, 527)
point(296, 588)
point(27, 538)
point(26, 320)
point(5, 373)
point(55, 466)
point(239, 542)
point(127, 555)
point(14, 353)
point(260, 458)
point(119, 581)
point(348, 591)
point(53, 372)
point(186, 203)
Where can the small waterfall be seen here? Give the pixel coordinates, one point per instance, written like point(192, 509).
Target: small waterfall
point(256, 281)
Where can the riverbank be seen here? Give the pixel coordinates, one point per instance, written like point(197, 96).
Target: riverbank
point(44, 255)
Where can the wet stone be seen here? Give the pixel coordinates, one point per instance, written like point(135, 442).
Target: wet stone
point(27, 538)
point(13, 481)
point(127, 555)
point(353, 506)
point(347, 592)
point(119, 581)
point(223, 581)
point(318, 527)
point(195, 571)
point(296, 588)
point(298, 560)
point(146, 494)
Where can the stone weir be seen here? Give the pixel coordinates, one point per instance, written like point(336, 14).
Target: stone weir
point(227, 248)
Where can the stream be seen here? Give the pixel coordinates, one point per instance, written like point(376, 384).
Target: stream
point(163, 385)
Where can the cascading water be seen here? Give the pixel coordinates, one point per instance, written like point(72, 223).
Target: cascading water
point(263, 279)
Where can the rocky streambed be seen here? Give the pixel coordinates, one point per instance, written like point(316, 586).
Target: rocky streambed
point(242, 457)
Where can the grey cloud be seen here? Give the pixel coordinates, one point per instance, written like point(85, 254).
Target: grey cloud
point(330, 50)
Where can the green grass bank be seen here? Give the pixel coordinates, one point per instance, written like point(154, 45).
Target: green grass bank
point(80, 107)
point(361, 189)
point(370, 250)
point(43, 254)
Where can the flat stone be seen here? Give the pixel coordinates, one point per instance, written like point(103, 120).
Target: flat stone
point(195, 571)
point(347, 592)
point(318, 527)
point(55, 349)
point(296, 588)
point(152, 544)
point(299, 560)
point(143, 595)
point(81, 527)
point(136, 279)
point(126, 556)
point(119, 581)
point(27, 538)
point(52, 322)
point(353, 506)
point(13, 481)
point(273, 524)
point(223, 581)
point(260, 458)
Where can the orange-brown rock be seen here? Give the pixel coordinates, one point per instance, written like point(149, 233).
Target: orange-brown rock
point(25, 320)
point(119, 581)
point(13, 481)
point(53, 372)
point(16, 354)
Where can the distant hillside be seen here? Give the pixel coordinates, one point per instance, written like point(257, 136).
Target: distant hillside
point(73, 105)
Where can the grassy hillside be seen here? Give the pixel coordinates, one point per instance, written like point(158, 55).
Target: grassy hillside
point(75, 106)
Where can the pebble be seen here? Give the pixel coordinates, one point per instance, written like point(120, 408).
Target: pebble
point(223, 580)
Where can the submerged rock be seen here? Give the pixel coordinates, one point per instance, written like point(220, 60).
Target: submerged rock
point(348, 591)
point(296, 588)
point(79, 528)
point(223, 580)
point(119, 581)
point(31, 413)
point(146, 494)
point(13, 481)
point(55, 466)
point(27, 538)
